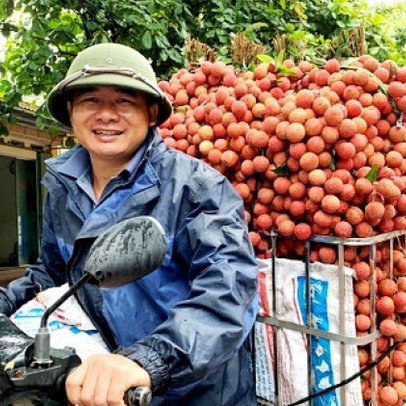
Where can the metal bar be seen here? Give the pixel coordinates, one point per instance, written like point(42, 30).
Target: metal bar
point(358, 242)
point(390, 370)
point(309, 337)
point(374, 372)
point(342, 297)
point(275, 313)
point(320, 333)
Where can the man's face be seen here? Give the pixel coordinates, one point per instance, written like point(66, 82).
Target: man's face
point(111, 123)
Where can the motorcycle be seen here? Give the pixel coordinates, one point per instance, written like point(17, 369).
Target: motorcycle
point(29, 367)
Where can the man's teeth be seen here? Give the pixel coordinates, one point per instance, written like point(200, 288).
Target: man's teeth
point(106, 132)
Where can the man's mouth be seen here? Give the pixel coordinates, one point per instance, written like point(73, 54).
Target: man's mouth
point(107, 132)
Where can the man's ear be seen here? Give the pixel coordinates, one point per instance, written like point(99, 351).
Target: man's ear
point(152, 114)
point(69, 107)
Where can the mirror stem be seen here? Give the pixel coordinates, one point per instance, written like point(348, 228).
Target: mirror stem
point(65, 296)
point(42, 345)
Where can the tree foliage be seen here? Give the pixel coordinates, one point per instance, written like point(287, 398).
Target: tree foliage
point(386, 34)
point(43, 36)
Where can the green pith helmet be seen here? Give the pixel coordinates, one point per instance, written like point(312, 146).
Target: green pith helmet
point(108, 65)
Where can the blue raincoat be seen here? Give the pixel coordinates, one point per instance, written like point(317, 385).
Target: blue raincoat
point(188, 322)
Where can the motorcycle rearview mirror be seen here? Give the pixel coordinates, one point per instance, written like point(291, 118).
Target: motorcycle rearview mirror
point(123, 253)
point(126, 252)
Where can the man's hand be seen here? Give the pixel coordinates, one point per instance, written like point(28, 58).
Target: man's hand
point(102, 380)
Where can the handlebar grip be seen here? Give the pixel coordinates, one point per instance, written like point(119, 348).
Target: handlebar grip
point(141, 396)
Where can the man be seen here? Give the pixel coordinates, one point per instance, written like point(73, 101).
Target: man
point(183, 330)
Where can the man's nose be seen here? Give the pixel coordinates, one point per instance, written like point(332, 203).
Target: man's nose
point(107, 112)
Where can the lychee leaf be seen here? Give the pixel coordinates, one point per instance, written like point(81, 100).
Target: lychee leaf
point(286, 71)
point(317, 61)
point(372, 174)
point(265, 58)
point(332, 165)
point(382, 87)
point(280, 57)
point(251, 67)
point(281, 170)
point(348, 64)
point(181, 109)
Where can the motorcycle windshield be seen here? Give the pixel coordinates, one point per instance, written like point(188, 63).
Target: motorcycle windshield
point(13, 341)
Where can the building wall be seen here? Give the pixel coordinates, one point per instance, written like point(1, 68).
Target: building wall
point(29, 147)
point(8, 215)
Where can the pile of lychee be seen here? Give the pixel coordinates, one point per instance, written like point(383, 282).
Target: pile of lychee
point(311, 151)
point(320, 150)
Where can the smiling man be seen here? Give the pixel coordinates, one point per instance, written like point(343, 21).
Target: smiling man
point(183, 330)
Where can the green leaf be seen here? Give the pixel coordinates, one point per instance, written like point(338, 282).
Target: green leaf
point(372, 174)
point(251, 67)
point(265, 58)
point(151, 8)
point(255, 27)
point(286, 71)
point(32, 65)
point(3, 129)
point(91, 25)
point(281, 170)
point(70, 142)
point(39, 122)
point(280, 57)
point(146, 40)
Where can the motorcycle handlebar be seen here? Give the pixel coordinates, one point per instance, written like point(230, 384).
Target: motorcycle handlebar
point(141, 396)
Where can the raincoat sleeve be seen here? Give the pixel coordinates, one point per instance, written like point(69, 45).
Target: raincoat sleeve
point(48, 272)
point(210, 325)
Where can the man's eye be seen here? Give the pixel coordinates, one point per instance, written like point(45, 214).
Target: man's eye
point(87, 99)
point(90, 99)
point(124, 100)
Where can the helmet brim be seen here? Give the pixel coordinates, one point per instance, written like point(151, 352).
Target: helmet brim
point(58, 98)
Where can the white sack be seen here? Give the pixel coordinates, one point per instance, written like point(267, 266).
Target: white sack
point(69, 325)
point(291, 363)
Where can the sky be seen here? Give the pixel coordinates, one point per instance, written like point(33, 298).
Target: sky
point(375, 2)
